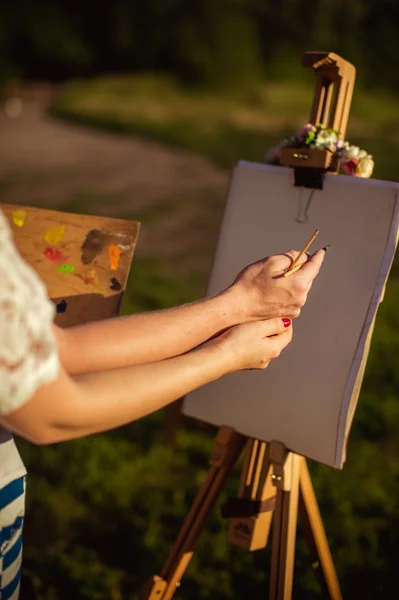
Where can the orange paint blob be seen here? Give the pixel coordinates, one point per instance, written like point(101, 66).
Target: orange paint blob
point(114, 256)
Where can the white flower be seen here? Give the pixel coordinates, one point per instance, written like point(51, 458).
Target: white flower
point(354, 161)
point(326, 139)
point(352, 152)
point(365, 166)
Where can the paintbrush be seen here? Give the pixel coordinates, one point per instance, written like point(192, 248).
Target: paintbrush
point(294, 265)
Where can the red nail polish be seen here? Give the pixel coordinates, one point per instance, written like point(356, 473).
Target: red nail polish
point(287, 322)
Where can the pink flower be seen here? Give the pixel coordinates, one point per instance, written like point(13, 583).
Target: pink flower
point(349, 166)
point(303, 134)
point(274, 154)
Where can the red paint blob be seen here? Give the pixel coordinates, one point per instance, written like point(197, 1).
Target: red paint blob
point(54, 254)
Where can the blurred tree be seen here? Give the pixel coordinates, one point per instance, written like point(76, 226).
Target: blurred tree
point(217, 45)
point(42, 40)
point(219, 42)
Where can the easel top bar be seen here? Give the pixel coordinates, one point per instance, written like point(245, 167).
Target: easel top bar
point(324, 63)
point(335, 80)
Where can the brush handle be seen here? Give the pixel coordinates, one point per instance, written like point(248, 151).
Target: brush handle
point(293, 270)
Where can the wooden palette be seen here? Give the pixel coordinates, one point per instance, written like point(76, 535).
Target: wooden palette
point(84, 260)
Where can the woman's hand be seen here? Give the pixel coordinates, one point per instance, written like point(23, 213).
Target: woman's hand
point(254, 345)
point(261, 292)
point(94, 402)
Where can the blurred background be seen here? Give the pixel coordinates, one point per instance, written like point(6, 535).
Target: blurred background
point(138, 109)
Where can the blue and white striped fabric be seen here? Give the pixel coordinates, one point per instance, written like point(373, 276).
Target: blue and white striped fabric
point(12, 510)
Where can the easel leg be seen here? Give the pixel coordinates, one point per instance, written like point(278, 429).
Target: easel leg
point(315, 532)
point(284, 532)
point(228, 447)
point(251, 532)
point(294, 488)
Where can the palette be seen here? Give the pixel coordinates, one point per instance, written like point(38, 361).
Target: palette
point(84, 260)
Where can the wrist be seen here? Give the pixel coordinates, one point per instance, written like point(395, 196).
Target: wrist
point(233, 306)
point(217, 356)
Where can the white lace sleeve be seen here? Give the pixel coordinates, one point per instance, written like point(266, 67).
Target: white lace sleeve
point(28, 349)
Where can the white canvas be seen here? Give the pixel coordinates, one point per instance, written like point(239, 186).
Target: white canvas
point(307, 397)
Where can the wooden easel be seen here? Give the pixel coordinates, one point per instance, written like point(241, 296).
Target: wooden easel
point(332, 71)
point(335, 80)
point(273, 479)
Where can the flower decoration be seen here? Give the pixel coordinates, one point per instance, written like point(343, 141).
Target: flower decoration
point(353, 160)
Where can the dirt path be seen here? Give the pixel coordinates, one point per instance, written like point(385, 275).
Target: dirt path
point(178, 197)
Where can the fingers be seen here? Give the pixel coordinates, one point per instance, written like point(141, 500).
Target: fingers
point(294, 254)
point(273, 326)
point(286, 259)
point(312, 266)
point(280, 341)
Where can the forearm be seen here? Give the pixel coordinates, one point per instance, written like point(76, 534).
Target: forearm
point(143, 389)
point(145, 338)
point(96, 402)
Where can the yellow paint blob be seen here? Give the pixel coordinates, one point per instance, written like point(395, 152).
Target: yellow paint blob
point(92, 277)
point(54, 234)
point(19, 216)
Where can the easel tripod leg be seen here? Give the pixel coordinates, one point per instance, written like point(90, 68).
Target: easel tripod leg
point(227, 450)
point(314, 528)
point(284, 535)
point(251, 531)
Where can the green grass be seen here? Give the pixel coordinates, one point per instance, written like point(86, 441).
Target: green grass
point(224, 127)
point(151, 287)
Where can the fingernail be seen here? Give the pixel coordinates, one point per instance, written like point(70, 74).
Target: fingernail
point(287, 322)
point(327, 247)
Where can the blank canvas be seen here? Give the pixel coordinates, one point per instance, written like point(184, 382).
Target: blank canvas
point(307, 397)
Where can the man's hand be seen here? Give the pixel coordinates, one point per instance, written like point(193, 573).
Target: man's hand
point(261, 291)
